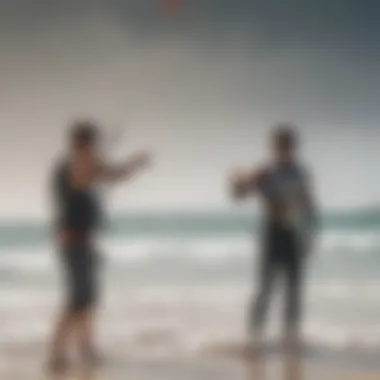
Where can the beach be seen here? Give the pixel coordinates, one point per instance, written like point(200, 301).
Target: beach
point(193, 369)
point(200, 149)
point(176, 296)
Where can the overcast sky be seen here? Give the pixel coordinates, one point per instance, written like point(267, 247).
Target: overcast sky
point(201, 87)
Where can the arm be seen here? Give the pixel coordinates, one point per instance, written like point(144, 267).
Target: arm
point(125, 170)
point(312, 219)
point(244, 183)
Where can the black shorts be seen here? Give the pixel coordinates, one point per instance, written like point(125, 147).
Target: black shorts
point(282, 244)
point(80, 263)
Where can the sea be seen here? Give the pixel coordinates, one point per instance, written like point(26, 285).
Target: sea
point(180, 283)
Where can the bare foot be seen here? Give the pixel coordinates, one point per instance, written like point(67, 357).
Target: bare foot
point(93, 359)
point(253, 349)
point(57, 366)
point(293, 344)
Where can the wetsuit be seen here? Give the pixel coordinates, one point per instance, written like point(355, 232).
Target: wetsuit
point(78, 215)
point(290, 218)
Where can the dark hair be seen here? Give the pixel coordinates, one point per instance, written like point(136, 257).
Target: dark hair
point(83, 133)
point(286, 135)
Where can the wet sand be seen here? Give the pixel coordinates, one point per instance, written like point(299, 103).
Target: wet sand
point(218, 361)
point(198, 369)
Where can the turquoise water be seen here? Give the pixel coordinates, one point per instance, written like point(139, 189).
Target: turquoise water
point(203, 245)
point(187, 224)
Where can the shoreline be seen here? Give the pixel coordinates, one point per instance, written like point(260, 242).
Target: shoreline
point(224, 363)
point(203, 369)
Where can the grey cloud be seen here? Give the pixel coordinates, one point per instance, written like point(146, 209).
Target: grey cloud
point(347, 24)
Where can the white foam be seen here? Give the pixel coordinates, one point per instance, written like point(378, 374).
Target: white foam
point(163, 319)
point(360, 241)
point(34, 259)
point(199, 250)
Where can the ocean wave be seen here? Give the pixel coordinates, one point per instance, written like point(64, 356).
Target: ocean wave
point(218, 249)
point(338, 249)
point(26, 260)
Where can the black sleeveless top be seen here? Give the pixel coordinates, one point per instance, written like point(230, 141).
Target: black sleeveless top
point(78, 210)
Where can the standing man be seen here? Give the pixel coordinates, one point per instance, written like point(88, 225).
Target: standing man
point(289, 224)
point(78, 217)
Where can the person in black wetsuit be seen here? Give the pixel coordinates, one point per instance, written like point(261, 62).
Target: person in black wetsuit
point(288, 229)
point(78, 218)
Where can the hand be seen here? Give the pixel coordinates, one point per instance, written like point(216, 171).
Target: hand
point(238, 177)
point(143, 159)
point(238, 182)
point(61, 236)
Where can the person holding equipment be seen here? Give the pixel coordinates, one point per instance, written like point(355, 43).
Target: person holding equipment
point(78, 218)
point(288, 229)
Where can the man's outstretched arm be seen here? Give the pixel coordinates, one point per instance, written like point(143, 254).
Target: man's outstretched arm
point(125, 170)
point(245, 183)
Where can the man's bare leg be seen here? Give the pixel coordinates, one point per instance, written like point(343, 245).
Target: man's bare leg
point(85, 338)
point(256, 368)
point(259, 308)
point(293, 368)
point(292, 342)
point(58, 356)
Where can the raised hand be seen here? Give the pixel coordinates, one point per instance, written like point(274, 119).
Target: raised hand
point(239, 182)
point(143, 159)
